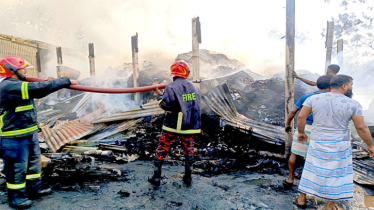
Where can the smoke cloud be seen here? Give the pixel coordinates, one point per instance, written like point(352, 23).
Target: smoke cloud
point(248, 31)
point(238, 29)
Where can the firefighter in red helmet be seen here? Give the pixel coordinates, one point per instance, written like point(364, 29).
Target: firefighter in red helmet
point(181, 101)
point(19, 143)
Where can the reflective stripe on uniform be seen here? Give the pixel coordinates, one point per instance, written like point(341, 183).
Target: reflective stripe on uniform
point(25, 90)
point(1, 121)
point(159, 101)
point(15, 186)
point(24, 108)
point(33, 176)
point(19, 132)
point(179, 121)
point(192, 131)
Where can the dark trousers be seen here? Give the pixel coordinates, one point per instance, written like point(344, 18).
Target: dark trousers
point(22, 166)
point(168, 139)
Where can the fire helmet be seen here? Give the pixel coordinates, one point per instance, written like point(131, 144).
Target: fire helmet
point(10, 64)
point(180, 69)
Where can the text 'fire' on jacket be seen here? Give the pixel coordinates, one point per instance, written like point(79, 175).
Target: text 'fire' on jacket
point(181, 101)
point(17, 107)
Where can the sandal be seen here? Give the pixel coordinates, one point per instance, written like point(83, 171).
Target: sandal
point(287, 185)
point(298, 205)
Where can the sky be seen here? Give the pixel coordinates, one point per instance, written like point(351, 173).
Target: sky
point(246, 30)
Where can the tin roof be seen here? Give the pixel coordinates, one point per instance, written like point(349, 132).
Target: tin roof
point(109, 130)
point(62, 134)
point(144, 110)
point(220, 101)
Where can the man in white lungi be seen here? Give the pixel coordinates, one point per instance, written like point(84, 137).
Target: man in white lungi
point(328, 170)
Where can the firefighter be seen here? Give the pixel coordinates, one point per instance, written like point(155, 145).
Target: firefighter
point(181, 101)
point(18, 129)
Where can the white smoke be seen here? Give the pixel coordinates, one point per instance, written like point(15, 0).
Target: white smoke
point(114, 78)
point(239, 29)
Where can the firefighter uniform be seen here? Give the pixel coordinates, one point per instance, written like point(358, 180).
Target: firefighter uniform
point(181, 101)
point(18, 134)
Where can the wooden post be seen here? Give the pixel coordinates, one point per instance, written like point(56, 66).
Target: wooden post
point(59, 63)
point(340, 53)
point(290, 67)
point(91, 57)
point(39, 69)
point(59, 55)
point(196, 39)
point(135, 65)
point(328, 44)
point(38, 61)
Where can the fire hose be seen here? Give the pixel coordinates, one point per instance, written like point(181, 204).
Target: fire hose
point(104, 90)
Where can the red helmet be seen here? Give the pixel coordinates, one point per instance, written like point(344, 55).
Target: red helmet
point(180, 69)
point(10, 64)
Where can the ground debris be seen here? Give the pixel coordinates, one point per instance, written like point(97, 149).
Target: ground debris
point(176, 203)
point(77, 166)
point(124, 193)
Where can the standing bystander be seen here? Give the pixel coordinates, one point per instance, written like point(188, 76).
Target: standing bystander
point(332, 70)
point(328, 170)
point(300, 149)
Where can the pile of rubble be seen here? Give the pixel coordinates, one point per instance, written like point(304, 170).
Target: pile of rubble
point(242, 124)
point(80, 128)
point(261, 100)
point(213, 64)
point(77, 126)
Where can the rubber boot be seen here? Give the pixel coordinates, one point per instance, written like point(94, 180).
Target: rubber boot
point(187, 179)
point(156, 178)
point(41, 193)
point(24, 205)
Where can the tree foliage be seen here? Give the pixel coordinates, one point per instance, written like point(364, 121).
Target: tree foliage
point(355, 25)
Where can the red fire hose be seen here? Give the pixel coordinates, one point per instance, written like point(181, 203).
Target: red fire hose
point(104, 90)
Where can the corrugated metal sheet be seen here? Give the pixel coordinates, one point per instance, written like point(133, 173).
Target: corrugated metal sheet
point(93, 116)
point(65, 133)
point(112, 129)
point(12, 48)
point(48, 118)
point(29, 42)
point(82, 105)
point(73, 97)
point(363, 171)
point(63, 71)
point(25, 48)
point(220, 101)
point(363, 166)
point(149, 109)
point(49, 113)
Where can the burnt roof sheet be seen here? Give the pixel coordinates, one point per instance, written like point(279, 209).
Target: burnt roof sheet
point(363, 171)
point(109, 130)
point(144, 110)
point(220, 101)
point(64, 71)
point(69, 131)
